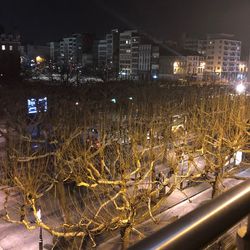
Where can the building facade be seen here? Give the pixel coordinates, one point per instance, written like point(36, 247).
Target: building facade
point(9, 55)
point(243, 71)
point(112, 52)
point(101, 53)
point(129, 54)
point(54, 51)
point(196, 45)
point(195, 66)
point(148, 67)
point(71, 50)
point(183, 64)
point(222, 57)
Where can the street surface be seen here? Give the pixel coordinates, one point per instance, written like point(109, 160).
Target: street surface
point(178, 205)
point(17, 237)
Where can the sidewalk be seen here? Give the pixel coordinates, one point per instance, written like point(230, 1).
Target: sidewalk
point(17, 237)
point(177, 205)
point(168, 213)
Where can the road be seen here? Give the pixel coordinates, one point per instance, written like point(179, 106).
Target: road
point(17, 237)
point(178, 205)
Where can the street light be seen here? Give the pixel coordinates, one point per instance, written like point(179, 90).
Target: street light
point(113, 100)
point(39, 217)
point(240, 88)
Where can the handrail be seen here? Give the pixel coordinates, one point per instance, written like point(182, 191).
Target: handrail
point(200, 227)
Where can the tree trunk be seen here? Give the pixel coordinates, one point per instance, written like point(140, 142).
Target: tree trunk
point(60, 191)
point(216, 189)
point(125, 236)
point(7, 159)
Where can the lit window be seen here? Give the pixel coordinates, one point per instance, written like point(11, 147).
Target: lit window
point(3, 47)
point(11, 47)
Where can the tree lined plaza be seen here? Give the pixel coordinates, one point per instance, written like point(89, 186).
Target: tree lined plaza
point(104, 167)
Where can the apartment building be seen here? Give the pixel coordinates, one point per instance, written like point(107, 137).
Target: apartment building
point(181, 64)
point(112, 52)
point(9, 55)
point(194, 43)
point(101, 53)
point(223, 57)
point(55, 51)
point(71, 49)
point(148, 66)
point(129, 54)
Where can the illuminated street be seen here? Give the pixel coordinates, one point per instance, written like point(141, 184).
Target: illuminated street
point(124, 125)
point(177, 206)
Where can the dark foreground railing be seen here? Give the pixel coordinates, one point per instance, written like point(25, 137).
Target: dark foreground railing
point(203, 225)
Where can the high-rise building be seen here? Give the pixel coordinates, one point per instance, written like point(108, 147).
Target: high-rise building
point(101, 53)
point(54, 51)
point(222, 53)
point(148, 67)
point(71, 49)
point(222, 57)
point(112, 52)
point(129, 54)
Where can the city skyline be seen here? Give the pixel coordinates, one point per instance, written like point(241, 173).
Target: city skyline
point(48, 21)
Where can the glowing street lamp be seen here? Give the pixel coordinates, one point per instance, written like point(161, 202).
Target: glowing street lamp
point(39, 59)
point(113, 100)
point(240, 88)
point(39, 219)
point(176, 67)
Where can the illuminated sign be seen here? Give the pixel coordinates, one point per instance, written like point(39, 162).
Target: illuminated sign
point(37, 105)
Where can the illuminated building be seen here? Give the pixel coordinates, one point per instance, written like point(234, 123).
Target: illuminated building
point(222, 57)
point(222, 53)
point(71, 49)
point(129, 54)
point(181, 64)
point(243, 71)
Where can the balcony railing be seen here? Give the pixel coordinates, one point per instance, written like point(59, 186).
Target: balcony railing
point(205, 224)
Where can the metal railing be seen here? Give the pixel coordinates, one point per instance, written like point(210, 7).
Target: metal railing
point(203, 225)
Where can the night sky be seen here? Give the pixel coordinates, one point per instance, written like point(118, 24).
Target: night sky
point(47, 20)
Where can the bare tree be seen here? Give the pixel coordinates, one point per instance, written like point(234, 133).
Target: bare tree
point(105, 168)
